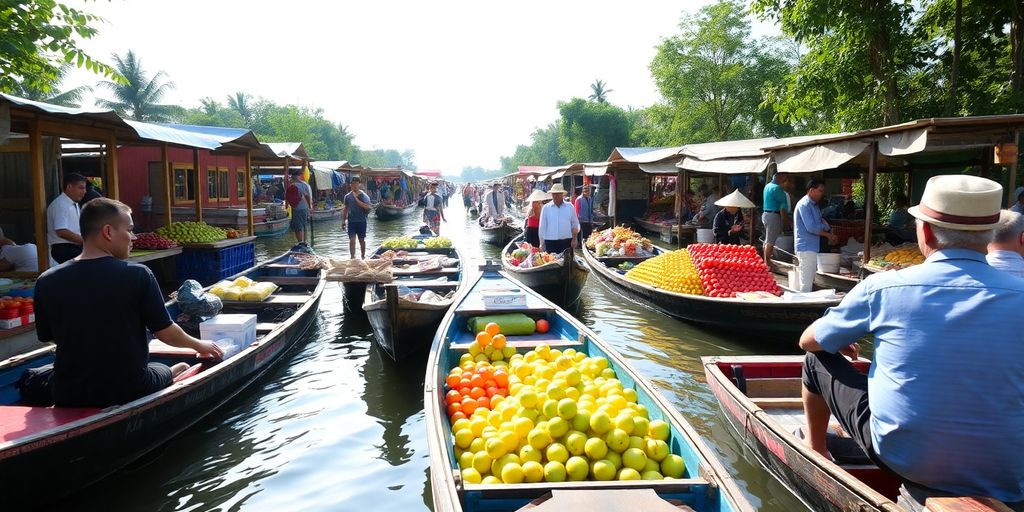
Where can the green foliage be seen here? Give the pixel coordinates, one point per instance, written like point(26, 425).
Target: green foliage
point(51, 93)
point(138, 96)
point(589, 130)
point(36, 38)
point(599, 91)
point(387, 158)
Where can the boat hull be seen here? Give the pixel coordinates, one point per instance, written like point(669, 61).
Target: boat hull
point(384, 212)
point(44, 467)
point(318, 215)
point(781, 321)
point(821, 280)
point(562, 284)
point(499, 235)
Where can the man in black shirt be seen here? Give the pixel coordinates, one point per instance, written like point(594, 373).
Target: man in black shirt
point(97, 308)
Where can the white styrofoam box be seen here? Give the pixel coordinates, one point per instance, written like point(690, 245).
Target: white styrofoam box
point(240, 328)
point(503, 299)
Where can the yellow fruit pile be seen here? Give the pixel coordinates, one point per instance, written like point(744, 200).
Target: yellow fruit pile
point(901, 257)
point(672, 271)
point(566, 418)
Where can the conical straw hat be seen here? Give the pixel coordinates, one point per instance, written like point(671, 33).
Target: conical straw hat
point(736, 199)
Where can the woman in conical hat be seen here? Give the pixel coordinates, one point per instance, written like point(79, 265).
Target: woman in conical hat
point(729, 220)
point(533, 205)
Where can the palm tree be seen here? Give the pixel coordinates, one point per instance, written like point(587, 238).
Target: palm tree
point(51, 93)
point(209, 105)
point(600, 94)
point(139, 96)
point(240, 103)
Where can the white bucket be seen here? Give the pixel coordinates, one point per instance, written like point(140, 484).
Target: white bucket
point(705, 236)
point(785, 243)
point(828, 262)
point(794, 279)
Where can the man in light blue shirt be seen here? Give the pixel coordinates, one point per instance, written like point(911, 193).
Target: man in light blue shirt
point(942, 405)
point(808, 228)
point(776, 213)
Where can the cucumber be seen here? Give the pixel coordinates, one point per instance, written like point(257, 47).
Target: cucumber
point(512, 324)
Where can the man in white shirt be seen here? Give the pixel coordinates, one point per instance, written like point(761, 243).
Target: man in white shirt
point(1007, 247)
point(494, 203)
point(558, 223)
point(62, 231)
point(18, 258)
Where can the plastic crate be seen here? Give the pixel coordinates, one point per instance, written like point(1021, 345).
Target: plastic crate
point(210, 265)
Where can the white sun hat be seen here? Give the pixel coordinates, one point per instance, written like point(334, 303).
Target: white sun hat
point(538, 195)
point(736, 199)
point(960, 201)
point(556, 189)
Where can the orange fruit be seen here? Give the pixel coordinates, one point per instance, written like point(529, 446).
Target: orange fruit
point(483, 338)
point(492, 328)
point(498, 341)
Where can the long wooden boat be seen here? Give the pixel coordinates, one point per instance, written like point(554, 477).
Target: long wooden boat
point(404, 328)
point(561, 283)
point(317, 215)
point(774, 319)
point(391, 212)
point(760, 398)
point(822, 280)
point(705, 486)
point(500, 234)
point(666, 232)
point(48, 452)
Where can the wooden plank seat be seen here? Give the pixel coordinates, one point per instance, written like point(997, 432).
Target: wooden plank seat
point(277, 299)
point(18, 421)
point(774, 387)
point(778, 403)
point(526, 342)
point(413, 272)
point(604, 500)
point(159, 348)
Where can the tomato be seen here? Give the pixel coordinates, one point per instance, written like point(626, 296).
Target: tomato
point(543, 326)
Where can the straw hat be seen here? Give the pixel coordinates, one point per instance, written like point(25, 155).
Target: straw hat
point(556, 189)
point(736, 200)
point(955, 201)
point(538, 195)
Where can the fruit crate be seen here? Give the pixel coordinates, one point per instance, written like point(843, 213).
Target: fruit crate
point(210, 265)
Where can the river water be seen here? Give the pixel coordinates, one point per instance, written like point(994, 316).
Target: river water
point(339, 426)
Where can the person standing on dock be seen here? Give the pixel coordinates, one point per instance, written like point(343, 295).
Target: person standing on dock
point(63, 232)
point(300, 198)
point(97, 309)
point(808, 229)
point(354, 211)
point(558, 223)
point(585, 211)
point(433, 209)
point(945, 416)
point(776, 213)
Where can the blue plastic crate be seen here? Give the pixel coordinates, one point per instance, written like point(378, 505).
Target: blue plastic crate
point(209, 265)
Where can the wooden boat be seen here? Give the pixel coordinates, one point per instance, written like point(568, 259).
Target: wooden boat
point(271, 227)
point(391, 212)
point(317, 215)
point(666, 232)
point(404, 328)
point(48, 452)
point(706, 485)
point(760, 398)
point(822, 280)
point(775, 319)
point(500, 234)
point(561, 283)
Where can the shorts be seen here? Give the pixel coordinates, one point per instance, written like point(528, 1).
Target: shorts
point(772, 227)
point(299, 219)
point(357, 229)
point(158, 376)
point(845, 390)
point(433, 219)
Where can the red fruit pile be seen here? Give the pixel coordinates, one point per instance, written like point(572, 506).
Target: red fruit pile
point(726, 270)
point(149, 241)
point(472, 386)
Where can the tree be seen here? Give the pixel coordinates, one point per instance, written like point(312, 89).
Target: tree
point(139, 96)
point(859, 54)
point(713, 78)
point(590, 129)
point(599, 94)
point(50, 92)
point(543, 150)
point(36, 38)
point(239, 102)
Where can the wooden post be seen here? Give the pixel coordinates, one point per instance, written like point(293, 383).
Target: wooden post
point(113, 188)
point(869, 199)
point(200, 185)
point(615, 218)
point(248, 192)
point(168, 195)
point(1013, 174)
point(35, 148)
point(680, 203)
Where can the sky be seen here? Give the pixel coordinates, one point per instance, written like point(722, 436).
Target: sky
point(460, 83)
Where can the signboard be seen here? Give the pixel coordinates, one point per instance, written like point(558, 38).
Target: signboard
point(632, 186)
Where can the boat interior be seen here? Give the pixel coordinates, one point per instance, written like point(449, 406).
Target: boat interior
point(419, 271)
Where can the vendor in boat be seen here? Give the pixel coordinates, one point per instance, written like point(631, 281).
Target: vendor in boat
point(534, 205)
point(1006, 251)
point(493, 203)
point(728, 222)
point(558, 223)
point(584, 204)
point(19, 258)
point(808, 229)
point(97, 309)
point(709, 210)
point(942, 413)
point(354, 211)
point(433, 209)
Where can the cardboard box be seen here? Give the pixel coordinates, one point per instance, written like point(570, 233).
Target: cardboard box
point(241, 329)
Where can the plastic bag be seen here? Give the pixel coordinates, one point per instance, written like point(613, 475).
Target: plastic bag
point(229, 347)
point(194, 302)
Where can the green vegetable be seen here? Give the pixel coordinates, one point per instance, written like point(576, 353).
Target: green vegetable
point(512, 324)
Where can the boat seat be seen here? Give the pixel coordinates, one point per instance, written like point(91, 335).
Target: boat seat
point(277, 299)
point(159, 348)
point(413, 272)
point(17, 421)
point(527, 343)
point(265, 327)
point(774, 387)
point(291, 280)
point(778, 403)
point(600, 500)
point(192, 370)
